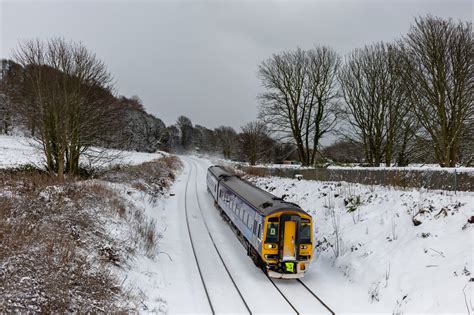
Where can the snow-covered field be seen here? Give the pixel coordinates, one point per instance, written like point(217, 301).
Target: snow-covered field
point(391, 263)
point(17, 151)
point(379, 261)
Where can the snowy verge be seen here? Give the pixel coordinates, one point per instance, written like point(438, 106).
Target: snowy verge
point(83, 245)
point(408, 250)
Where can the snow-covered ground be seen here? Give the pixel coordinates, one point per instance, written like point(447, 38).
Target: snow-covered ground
point(17, 151)
point(384, 264)
point(389, 262)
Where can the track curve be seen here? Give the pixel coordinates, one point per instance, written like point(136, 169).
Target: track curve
point(298, 285)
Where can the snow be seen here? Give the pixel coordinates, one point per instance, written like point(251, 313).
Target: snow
point(16, 151)
point(386, 264)
point(385, 260)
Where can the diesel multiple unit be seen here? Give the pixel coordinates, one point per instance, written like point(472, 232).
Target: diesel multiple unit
point(277, 234)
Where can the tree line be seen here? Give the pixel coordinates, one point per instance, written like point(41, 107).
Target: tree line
point(61, 94)
point(394, 103)
point(252, 143)
point(401, 102)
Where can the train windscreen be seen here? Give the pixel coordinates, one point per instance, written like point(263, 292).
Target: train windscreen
point(304, 232)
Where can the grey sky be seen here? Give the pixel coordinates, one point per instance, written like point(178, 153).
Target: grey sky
point(199, 58)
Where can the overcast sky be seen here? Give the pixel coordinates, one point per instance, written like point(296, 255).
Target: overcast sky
point(199, 58)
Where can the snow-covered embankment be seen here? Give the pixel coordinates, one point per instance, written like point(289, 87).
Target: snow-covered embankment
point(409, 250)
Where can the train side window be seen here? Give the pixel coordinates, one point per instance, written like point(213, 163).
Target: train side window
point(254, 227)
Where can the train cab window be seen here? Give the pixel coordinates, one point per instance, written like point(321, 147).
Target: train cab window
point(272, 232)
point(304, 233)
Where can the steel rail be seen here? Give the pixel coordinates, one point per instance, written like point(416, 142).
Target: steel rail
point(192, 243)
point(215, 246)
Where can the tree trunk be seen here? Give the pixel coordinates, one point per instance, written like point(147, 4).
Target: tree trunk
point(61, 167)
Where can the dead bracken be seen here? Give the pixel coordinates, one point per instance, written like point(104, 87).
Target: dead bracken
point(56, 250)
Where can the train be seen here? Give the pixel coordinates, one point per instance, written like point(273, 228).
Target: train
point(276, 234)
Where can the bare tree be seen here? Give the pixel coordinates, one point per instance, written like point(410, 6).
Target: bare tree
point(227, 141)
point(9, 72)
point(171, 138)
point(375, 99)
point(255, 142)
point(66, 95)
point(185, 127)
point(467, 146)
point(408, 145)
point(439, 73)
point(301, 96)
point(344, 151)
point(204, 139)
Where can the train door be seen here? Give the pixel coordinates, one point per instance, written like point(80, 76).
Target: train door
point(289, 241)
point(257, 231)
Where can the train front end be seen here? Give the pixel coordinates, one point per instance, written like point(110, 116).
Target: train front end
point(287, 248)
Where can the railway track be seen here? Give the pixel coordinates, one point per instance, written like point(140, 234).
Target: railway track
point(293, 304)
point(192, 244)
point(214, 243)
point(314, 294)
point(311, 292)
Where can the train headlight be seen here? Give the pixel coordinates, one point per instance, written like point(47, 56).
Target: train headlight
point(270, 246)
point(304, 246)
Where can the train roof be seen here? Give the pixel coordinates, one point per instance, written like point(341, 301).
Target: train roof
point(219, 171)
point(263, 201)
